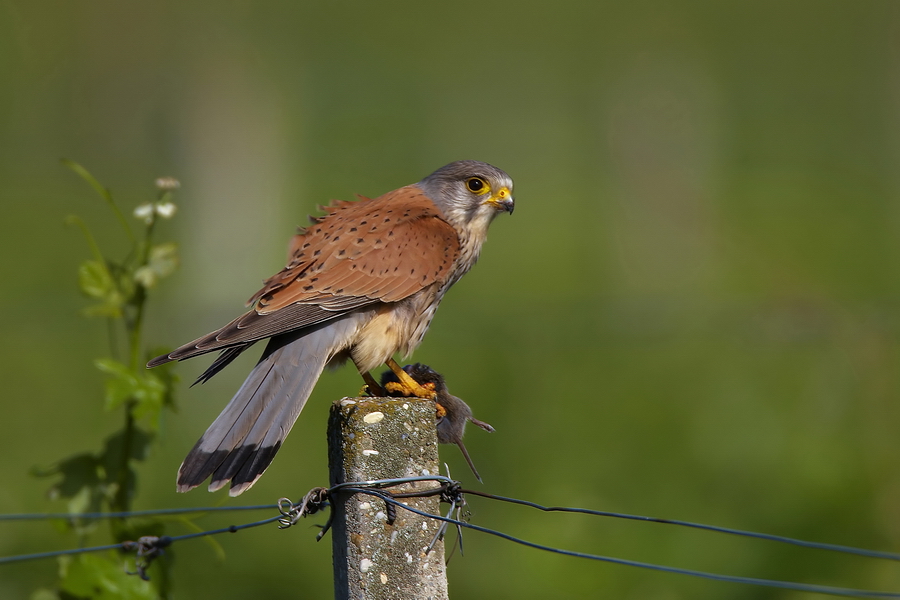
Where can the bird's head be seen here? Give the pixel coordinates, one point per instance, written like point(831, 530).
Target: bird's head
point(470, 193)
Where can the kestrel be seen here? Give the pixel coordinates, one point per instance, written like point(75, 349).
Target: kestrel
point(363, 282)
point(452, 412)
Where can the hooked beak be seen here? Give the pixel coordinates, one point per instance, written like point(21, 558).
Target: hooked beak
point(503, 200)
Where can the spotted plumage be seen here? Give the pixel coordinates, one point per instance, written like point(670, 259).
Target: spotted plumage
point(362, 282)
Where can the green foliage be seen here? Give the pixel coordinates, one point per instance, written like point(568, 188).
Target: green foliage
point(146, 391)
point(107, 480)
point(97, 576)
point(161, 262)
point(90, 482)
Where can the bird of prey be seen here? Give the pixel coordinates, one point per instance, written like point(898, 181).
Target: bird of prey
point(362, 282)
point(452, 412)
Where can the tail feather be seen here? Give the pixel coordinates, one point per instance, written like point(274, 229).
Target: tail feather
point(242, 441)
point(223, 360)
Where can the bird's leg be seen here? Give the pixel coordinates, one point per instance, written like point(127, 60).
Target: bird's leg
point(372, 386)
point(439, 408)
point(406, 385)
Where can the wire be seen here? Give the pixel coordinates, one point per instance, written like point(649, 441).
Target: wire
point(23, 557)
point(713, 528)
point(803, 587)
point(231, 529)
point(450, 491)
point(129, 514)
point(126, 545)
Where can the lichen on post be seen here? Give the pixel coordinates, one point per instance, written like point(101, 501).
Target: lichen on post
point(382, 438)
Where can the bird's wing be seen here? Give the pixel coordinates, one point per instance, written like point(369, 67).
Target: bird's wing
point(358, 254)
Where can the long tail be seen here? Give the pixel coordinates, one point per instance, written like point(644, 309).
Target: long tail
point(243, 440)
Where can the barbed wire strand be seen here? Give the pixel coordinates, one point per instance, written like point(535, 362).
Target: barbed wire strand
point(129, 514)
point(451, 491)
point(713, 528)
point(126, 545)
point(790, 585)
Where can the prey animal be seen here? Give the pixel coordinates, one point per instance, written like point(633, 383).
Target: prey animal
point(451, 412)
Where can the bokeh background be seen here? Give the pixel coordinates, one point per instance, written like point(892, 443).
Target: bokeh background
point(693, 313)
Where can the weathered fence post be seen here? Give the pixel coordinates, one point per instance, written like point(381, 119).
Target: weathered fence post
point(381, 438)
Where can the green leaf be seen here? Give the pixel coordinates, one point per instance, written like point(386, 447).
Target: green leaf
point(111, 366)
point(86, 500)
point(77, 471)
point(122, 384)
point(148, 392)
point(125, 285)
point(104, 193)
point(150, 395)
point(164, 259)
point(44, 594)
point(138, 448)
point(95, 280)
point(118, 453)
point(161, 262)
point(83, 484)
point(102, 576)
point(90, 179)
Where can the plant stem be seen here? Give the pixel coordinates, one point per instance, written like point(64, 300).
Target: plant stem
point(122, 499)
point(140, 298)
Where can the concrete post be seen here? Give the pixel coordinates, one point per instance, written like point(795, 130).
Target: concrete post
point(381, 438)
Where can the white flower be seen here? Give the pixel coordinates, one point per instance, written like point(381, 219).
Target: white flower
point(167, 184)
point(166, 209)
point(146, 276)
point(144, 212)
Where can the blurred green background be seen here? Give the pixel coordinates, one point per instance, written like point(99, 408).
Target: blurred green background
point(693, 313)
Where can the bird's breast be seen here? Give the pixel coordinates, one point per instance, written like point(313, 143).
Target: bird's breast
point(396, 327)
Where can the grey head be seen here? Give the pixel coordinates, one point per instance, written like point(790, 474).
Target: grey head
point(470, 193)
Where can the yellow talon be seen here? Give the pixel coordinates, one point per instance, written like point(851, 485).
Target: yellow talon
point(406, 385)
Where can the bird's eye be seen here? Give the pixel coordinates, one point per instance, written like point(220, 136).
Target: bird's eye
point(477, 185)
